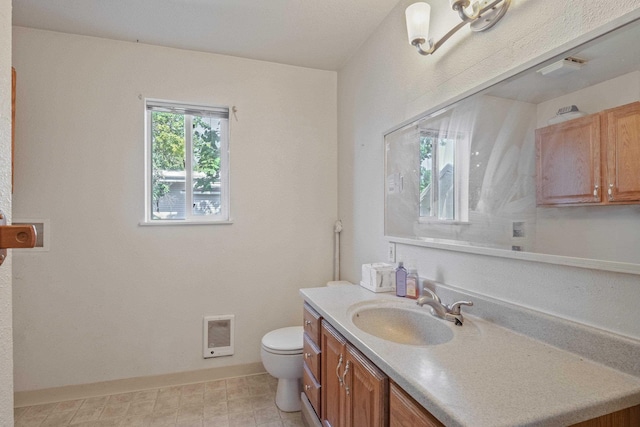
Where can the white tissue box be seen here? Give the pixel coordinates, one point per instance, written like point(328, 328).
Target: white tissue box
point(378, 277)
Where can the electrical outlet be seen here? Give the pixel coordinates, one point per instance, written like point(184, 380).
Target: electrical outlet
point(391, 253)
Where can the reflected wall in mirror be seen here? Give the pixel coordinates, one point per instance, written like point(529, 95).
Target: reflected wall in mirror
point(536, 163)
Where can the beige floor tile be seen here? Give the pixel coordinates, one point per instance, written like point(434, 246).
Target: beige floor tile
point(145, 395)
point(94, 402)
point(137, 421)
point(258, 389)
point(114, 411)
point(161, 421)
point(243, 419)
point(215, 395)
point(33, 411)
point(192, 399)
point(191, 413)
point(120, 398)
point(193, 388)
point(56, 419)
point(238, 392)
point(18, 412)
point(266, 415)
point(264, 401)
point(33, 421)
point(215, 385)
point(84, 415)
point(219, 421)
point(215, 409)
point(235, 402)
point(170, 391)
point(236, 382)
point(239, 405)
point(141, 408)
point(169, 402)
point(69, 405)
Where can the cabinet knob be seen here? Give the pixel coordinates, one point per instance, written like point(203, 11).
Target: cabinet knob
point(610, 191)
point(307, 323)
point(307, 355)
point(595, 191)
point(307, 387)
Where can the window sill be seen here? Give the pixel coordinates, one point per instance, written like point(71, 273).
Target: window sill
point(181, 222)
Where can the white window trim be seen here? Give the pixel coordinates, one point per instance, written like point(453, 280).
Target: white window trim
point(224, 217)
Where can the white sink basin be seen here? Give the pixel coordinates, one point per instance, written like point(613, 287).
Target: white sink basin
point(401, 323)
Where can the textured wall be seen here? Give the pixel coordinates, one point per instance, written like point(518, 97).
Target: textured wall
point(112, 299)
point(387, 82)
point(6, 344)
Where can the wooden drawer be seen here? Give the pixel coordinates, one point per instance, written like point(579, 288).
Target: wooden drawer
point(311, 354)
point(311, 389)
point(312, 323)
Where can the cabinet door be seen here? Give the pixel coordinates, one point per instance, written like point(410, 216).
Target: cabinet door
point(623, 153)
point(333, 347)
point(406, 412)
point(365, 389)
point(568, 162)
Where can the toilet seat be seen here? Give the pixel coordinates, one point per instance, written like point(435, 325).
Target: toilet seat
point(284, 340)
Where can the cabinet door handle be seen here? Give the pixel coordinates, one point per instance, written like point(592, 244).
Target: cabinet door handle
point(610, 191)
point(338, 371)
point(307, 355)
point(307, 387)
point(344, 380)
point(307, 323)
point(595, 190)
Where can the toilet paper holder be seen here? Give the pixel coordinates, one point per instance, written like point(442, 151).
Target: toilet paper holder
point(15, 236)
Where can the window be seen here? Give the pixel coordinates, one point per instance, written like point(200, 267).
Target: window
point(442, 193)
point(187, 174)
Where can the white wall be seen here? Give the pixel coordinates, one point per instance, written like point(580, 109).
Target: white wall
point(6, 345)
point(387, 82)
point(112, 299)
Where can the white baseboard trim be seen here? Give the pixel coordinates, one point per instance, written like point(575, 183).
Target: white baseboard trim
point(126, 385)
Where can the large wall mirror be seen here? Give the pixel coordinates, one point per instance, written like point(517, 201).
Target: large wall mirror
point(544, 165)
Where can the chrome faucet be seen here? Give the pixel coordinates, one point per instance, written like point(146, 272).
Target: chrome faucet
point(447, 312)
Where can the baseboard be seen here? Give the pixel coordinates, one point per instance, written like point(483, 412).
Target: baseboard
point(80, 391)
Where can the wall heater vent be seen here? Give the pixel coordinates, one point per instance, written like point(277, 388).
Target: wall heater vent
point(218, 335)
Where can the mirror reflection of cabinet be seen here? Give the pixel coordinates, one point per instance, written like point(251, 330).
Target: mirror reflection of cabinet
point(590, 160)
point(622, 130)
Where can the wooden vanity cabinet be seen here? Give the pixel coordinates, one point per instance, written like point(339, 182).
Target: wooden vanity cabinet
point(590, 160)
point(312, 358)
point(406, 412)
point(354, 390)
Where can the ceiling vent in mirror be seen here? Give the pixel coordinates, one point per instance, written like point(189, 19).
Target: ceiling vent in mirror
point(562, 67)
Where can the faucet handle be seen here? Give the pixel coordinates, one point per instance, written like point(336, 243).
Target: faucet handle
point(455, 307)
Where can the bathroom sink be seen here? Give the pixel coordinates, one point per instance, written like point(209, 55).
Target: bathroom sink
point(400, 323)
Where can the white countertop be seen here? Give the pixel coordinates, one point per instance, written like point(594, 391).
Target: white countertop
point(486, 375)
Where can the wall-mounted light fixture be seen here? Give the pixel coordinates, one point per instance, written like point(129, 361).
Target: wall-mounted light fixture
point(482, 15)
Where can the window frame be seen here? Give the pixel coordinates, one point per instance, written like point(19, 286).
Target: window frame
point(189, 110)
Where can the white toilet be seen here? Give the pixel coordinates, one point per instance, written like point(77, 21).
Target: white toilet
point(282, 358)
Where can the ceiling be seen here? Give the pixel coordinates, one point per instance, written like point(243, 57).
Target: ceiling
point(316, 34)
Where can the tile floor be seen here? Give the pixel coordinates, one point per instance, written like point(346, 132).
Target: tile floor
point(242, 402)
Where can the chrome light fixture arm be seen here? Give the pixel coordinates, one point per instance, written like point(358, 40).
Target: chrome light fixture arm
point(480, 19)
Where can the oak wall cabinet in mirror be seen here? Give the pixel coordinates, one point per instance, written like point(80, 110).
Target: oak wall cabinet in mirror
point(590, 160)
point(470, 176)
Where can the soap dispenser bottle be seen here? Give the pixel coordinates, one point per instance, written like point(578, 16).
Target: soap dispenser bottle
point(401, 280)
point(413, 284)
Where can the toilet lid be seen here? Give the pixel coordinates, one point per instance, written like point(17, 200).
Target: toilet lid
point(285, 339)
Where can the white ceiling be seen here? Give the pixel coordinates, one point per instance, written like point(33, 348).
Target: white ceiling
point(319, 34)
